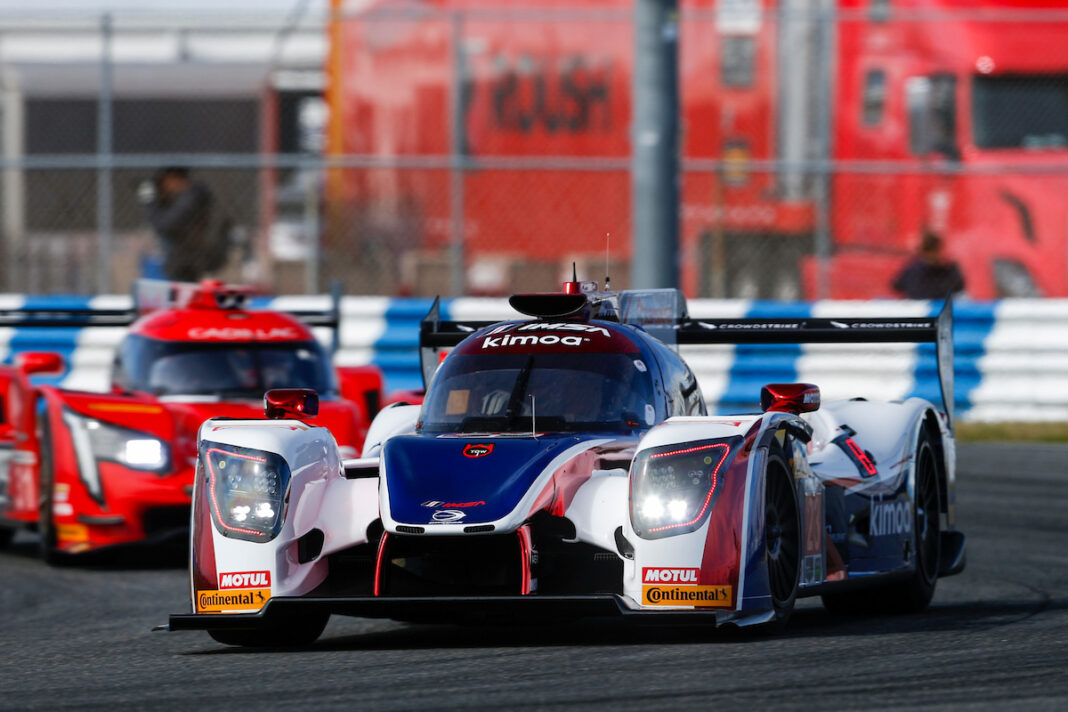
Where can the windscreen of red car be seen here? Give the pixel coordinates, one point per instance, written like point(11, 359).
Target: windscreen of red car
point(231, 370)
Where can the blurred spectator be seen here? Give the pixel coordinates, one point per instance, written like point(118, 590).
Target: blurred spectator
point(181, 209)
point(930, 274)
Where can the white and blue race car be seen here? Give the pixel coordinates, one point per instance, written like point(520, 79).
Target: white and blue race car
point(564, 466)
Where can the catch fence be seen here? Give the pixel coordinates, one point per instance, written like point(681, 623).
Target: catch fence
point(461, 147)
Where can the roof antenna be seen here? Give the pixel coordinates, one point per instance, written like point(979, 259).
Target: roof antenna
point(574, 272)
point(607, 242)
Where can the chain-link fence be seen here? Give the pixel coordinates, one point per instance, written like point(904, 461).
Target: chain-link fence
point(467, 147)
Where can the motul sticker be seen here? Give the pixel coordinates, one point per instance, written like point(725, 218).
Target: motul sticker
point(251, 599)
point(245, 579)
point(669, 575)
point(477, 450)
point(695, 596)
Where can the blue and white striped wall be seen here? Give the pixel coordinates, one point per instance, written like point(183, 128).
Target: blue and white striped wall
point(1011, 356)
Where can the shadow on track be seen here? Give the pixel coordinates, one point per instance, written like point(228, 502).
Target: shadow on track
point(135, 557)
point(807, 623)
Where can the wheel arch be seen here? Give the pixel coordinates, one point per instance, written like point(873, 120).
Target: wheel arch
point(930, 426)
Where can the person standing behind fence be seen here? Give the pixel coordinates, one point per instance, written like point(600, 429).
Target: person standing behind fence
point(180, 209)
point(930, 274)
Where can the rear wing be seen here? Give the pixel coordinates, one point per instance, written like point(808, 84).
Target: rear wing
point(60, 316)
point(152, 295)
point(435, 335)
point(937, 330)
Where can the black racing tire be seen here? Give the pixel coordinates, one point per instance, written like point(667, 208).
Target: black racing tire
point(6, 535)
point(46, 526)
point(782, 536)
point(915, 593)
point(287, 633)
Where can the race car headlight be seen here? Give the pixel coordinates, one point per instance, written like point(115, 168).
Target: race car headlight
point(97, 441)
point(246, 490)
point(674, 487)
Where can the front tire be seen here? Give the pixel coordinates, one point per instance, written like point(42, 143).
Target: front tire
point(289, 632)
point(782, 537)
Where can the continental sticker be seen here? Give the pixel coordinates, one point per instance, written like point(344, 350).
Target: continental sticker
point(696, 596)
point(251, 599)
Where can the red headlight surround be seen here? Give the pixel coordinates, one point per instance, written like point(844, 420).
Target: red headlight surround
point(674, 487)
point(249, 501)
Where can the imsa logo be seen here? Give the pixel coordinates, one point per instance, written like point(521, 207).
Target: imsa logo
point(890, 518)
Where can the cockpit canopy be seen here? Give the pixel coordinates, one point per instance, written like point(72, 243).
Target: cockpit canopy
point(523, 392)
point(228, 370)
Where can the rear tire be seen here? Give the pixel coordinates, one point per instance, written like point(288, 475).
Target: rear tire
point(289, 632)
point(782, 537)
point(6, 535)
point(914, 594)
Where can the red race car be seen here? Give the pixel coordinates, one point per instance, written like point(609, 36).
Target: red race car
point(91, 470)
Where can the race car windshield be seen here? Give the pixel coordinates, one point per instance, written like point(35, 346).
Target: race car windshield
point(231, 370)
point(542, 392)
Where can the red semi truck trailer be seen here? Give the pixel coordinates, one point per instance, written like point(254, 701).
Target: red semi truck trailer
point(930, 115)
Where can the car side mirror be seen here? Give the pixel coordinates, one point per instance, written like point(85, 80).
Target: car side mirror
point(290, 403)
point(30, 362)
point(790, 397)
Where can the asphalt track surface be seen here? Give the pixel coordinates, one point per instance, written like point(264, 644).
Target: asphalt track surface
point(995, 637)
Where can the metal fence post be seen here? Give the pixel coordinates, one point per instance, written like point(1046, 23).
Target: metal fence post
point(456, 149)
point(104, 189)
point(312, 201)
point(13, 200)
point(825, 137)
point(655, 145)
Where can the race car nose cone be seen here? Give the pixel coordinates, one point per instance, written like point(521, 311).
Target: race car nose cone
point(433, 480)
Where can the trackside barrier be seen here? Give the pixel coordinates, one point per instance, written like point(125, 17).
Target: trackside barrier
point(1011, 356)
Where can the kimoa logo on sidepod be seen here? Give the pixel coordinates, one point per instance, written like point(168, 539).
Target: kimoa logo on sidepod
point(890, 518)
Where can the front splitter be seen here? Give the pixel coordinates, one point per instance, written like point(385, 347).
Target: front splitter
point(448, 609)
